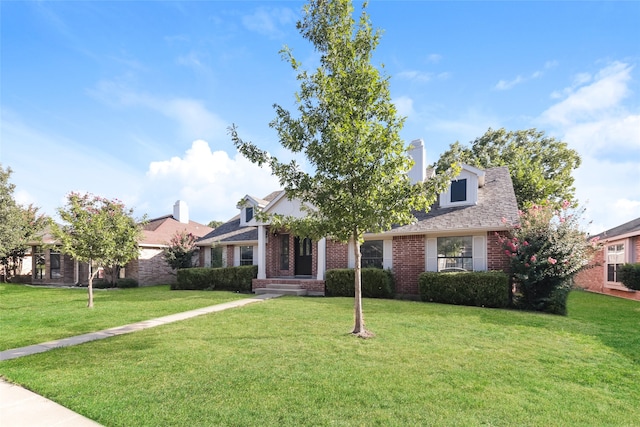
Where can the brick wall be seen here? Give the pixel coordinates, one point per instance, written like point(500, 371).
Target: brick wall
point(408, 263)
point(592, 278)
point(497, 260)
point(229, 256)
point(274, 246)
point(337, 254)
point(153, 269)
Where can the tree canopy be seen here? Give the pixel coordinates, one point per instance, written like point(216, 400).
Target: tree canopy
point(98, 231)
point(19, 225)
point(348, 130)
point(540, 166)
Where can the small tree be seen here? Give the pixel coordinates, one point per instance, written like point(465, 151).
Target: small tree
point(215, 224)
point(540, 166)
point(348, 130)
point(181, 249)
point(30, 223)
point(97, 231)
point(18, 226)
point(546, 249)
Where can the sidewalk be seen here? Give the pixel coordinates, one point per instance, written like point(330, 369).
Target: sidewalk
point(22, 408)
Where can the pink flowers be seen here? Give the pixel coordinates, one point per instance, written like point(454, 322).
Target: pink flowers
point(566, 204)
point(552, 261)
point(534, 258)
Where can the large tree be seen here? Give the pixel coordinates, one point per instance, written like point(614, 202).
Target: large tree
point(540, 166)
point(348, 130)
point(98, 231)
point(18, 226)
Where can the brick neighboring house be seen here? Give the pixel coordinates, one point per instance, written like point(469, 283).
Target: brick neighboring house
point(52, 267)
point(621, 245)
point(458, 233)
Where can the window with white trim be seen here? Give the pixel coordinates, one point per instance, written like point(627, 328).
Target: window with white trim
point(459, 190)
point(248, 212)
point(615, 260)
point(246, 255)
point(455, 253)
point(372, 253)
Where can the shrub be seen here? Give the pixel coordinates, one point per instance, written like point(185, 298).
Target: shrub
point(546, 249)
point(481, 289)
point(376, 283)
point(236, 279)
point(126, 283)
point(630, 276)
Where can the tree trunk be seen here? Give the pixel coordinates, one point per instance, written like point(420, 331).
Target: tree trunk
point(358, 328)
point(90, 287)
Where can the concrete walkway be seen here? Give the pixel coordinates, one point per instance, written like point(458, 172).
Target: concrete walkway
point(22, 408)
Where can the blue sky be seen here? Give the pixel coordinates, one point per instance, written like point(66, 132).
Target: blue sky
point(133, 99)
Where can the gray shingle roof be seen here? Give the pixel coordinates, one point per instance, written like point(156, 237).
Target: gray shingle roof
point(496, 200)
point(627, 227)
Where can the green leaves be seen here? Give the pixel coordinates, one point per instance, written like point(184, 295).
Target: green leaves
point(97, 230)
point(540, 166)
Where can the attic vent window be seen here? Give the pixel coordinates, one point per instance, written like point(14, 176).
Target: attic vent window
point(459, 190)
point(248, 214)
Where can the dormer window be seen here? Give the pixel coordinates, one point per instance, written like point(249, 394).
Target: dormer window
point(459, 190)
point(248, 212)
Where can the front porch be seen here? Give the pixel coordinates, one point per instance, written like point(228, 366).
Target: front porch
point(290, 285)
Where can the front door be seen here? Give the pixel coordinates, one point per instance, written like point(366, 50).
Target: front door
point(303, 251)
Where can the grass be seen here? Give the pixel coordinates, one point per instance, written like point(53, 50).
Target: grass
point(291, 361)
point(30, 315)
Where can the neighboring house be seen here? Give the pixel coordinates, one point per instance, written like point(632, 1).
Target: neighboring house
point(52, 267)
point(458, 233)
point(620, 245)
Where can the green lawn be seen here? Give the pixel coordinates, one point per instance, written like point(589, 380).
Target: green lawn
point(291, 361)
point(30, 315)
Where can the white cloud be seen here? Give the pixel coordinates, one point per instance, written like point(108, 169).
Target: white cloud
point(194, 119)
point(404, 105)
point(269, 21)
point(210, 182)
point(510, 84)
point(591, 102)
point(597, 118)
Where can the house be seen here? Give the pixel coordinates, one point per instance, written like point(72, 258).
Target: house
point(53, 267)
point(620, 245)
point(458, 233)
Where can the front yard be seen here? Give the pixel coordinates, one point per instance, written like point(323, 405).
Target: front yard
point(291, 361)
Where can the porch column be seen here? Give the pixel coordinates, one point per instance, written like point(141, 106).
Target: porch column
point(262, 251)
point(322, 257)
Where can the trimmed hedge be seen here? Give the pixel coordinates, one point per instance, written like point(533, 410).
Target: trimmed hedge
point(126, 283)
point(481, 289)
point(376, 283)
point(630, 276)
point(235, 279)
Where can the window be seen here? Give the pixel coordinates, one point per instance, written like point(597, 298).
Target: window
point(54, 263)
point(455, 253)
point(248, 212)
point(615, 259)
point(459, 190)
point(39, 262)
point(246, 255)
point(216, 257)
point(284, 252)
point(372, 253)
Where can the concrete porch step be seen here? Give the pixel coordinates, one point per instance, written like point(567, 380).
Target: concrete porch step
point(281, 289)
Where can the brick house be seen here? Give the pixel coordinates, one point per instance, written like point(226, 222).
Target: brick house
point(621, 245)
point(53, 267)
point(457, 234)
